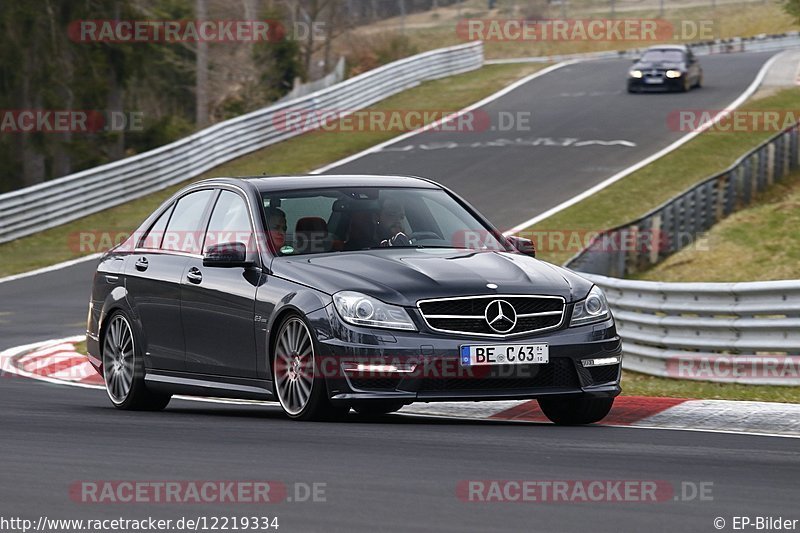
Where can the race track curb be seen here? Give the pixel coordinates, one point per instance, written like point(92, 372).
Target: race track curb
point(57, 361)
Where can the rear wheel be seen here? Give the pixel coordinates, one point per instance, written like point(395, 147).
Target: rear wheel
point(123, 369)
point(301, 392)
point(575, 411)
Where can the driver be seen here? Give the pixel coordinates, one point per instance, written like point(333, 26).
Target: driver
point(390, 219)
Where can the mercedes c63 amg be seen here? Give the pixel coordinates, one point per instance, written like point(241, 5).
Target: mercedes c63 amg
point(331, 293)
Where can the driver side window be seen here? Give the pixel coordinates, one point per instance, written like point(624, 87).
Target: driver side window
point(230, 222)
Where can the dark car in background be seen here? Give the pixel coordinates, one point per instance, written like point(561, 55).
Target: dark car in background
point(327, 293)
point(665, 67)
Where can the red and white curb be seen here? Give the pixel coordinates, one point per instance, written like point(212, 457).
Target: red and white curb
point(58, 362)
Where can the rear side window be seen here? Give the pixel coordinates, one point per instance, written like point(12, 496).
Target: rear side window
point(183, 233)
point(230, 222)
point(152, 241)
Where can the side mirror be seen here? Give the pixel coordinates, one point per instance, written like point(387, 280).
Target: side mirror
point(523, 246)
point(636, 60)
point(226, 255)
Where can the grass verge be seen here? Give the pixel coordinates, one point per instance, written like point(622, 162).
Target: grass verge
point(298, 155)
point(636, 384)
point(633, 196)
point(756, 244)
point(435, 29)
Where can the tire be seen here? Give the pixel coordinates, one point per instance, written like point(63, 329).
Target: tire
point(302, 394)
point(575, 411)
point(124, 371)
point(686, 87)
point(378, 407)
point(699, 83)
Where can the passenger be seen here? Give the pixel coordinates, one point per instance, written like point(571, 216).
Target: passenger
point(276, 227)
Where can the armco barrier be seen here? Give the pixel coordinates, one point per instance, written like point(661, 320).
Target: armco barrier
point(727, 332)
point(62, 200)
point(648, 240)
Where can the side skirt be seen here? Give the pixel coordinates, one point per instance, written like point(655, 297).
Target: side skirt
point(209, 385)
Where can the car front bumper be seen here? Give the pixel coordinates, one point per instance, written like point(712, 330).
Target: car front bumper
point(437, 373)
point(666, 84)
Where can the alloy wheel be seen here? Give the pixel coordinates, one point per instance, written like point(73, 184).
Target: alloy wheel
point(294, 366)
point(118, 359)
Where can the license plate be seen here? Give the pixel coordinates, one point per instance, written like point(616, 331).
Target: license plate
point(654, 81)
point(504, 354)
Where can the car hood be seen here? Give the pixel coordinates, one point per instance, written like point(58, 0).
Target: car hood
point(403, 276)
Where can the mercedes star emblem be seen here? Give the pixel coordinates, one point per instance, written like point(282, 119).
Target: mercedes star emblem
point(501, 316)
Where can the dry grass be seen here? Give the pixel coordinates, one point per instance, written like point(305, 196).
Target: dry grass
point(429, 30)
point(757, 244)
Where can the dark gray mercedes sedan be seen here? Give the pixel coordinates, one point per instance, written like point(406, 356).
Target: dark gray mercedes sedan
point(331, 293)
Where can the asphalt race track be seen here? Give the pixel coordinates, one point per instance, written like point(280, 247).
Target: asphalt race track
point(397, 474)
point(512, 181)
point(400, 473)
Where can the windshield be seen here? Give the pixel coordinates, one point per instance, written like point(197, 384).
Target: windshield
point(666, 56)
point(359, 218)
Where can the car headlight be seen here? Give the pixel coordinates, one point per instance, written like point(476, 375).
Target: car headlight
point(673, 74)
point(362, 310)
point(593, 308)
point(636, 73)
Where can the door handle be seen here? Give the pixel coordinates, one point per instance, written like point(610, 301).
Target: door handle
point(142, 264)
point(194, 275)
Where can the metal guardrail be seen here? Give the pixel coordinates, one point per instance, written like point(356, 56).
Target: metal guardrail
point(303, 89)
point(727, 332)
point(763, 43)
point(64, 199)
point(648, 240)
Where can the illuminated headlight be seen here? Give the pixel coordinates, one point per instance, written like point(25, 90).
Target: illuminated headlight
point(362, 310)
point(593, 308)
point(673, 74)
point(636, 73)
point(601, 361)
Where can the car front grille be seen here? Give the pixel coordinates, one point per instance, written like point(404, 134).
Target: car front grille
point(468, 315)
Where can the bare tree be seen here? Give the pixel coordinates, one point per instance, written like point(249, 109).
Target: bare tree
point(201, 83)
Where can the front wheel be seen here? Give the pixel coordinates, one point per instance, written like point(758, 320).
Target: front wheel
point(123, 369)
point(575, 411)
point(301, 392)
